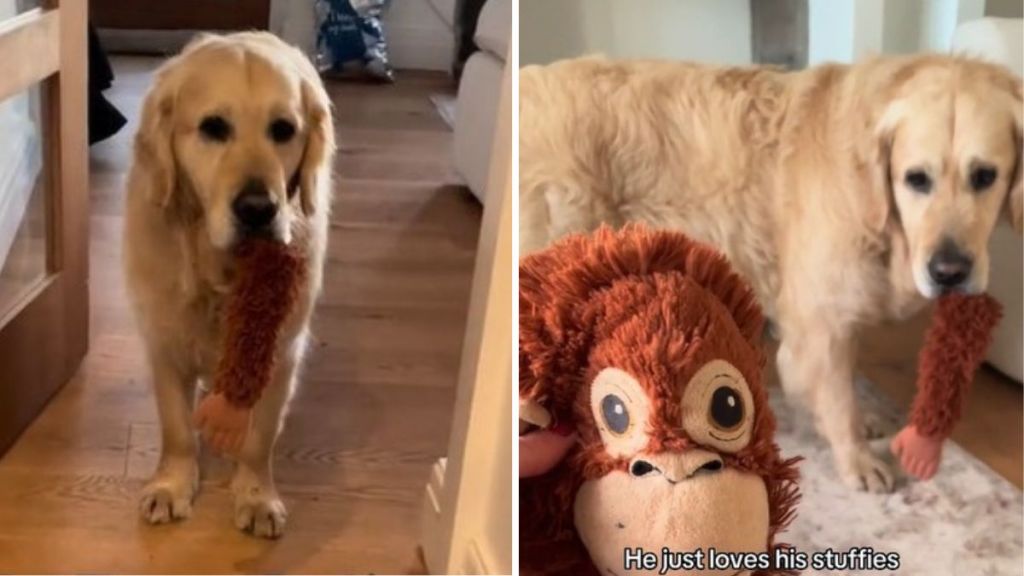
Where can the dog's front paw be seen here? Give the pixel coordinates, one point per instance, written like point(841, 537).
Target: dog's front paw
point(262, 515)
point(862, 470)
point(166, 499)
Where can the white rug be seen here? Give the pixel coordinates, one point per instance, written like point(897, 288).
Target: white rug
point(965, 521)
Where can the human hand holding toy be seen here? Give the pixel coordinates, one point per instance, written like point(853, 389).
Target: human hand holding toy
point(955, 346)
point(262, 295)
point(543, 444)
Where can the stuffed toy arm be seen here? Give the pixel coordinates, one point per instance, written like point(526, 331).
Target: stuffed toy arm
point(957, 339)
point(262, 296)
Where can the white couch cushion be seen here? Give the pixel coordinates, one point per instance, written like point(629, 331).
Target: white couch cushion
point(494, 27)
point(1006, 284)
point(476, 115)
point(999, 40)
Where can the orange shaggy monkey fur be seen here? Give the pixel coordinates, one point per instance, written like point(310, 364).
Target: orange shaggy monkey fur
point(658, 306)
point(262, 296)
point(960, 332)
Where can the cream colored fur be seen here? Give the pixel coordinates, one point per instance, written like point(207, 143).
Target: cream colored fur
point(179, 233)
point(798, 177)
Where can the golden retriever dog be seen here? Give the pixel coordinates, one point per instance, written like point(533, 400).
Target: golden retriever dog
point(847, 195)
point(236, 140)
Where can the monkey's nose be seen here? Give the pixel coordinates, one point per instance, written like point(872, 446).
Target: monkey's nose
point(676, 467)
point(641, 468)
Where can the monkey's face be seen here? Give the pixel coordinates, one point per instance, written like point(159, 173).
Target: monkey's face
point(682, 496)
point(675, 422)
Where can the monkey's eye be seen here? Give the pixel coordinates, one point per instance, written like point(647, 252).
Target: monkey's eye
point(982, 178)
point(718, 407)
point(726, 409)
point(215, 128)
point(615, 414)
point(621, 409)
point(918, 181)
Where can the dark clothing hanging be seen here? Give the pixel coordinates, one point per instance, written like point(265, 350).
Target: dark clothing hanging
point(467, 12)
point(104, 119)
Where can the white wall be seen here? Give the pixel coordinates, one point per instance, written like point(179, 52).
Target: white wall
point(902, 30)
point(418, 37)
point(939, 19)
point(849, 30)
point(844, 30)
point(701, 30)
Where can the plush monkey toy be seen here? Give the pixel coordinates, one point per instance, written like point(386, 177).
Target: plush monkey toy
point(960, 333)
point(263, 293)
point(649, 346)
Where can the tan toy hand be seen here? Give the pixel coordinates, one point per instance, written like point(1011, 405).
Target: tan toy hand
point(222, 425)
point(919, 455)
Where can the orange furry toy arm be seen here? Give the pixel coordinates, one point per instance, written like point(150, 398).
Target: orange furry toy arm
point(960, 333)
point(264, 293)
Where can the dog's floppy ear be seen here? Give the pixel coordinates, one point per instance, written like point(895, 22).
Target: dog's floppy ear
point(319, 150)
point(1015, 198)
point(875, 157)
point(154, 153)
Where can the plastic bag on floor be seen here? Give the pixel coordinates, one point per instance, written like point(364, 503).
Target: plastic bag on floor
point(350, 39)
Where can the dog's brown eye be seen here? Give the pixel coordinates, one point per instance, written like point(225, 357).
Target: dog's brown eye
point(983, 177)
point(918, 181)
point(281, 131)
point(215, 128)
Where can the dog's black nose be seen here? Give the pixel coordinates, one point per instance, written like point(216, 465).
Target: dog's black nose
point(253, 207)
point(949, 267)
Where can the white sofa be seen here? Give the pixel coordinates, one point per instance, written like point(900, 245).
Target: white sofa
point(476, 108)
point(1001, 40)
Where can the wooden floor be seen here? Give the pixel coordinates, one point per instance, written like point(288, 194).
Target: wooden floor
point(372, 414)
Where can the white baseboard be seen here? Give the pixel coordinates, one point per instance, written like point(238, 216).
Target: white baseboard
point(435, 547)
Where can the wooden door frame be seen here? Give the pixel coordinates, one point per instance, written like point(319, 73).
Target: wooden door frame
point(45, 335)
point(466, 527)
